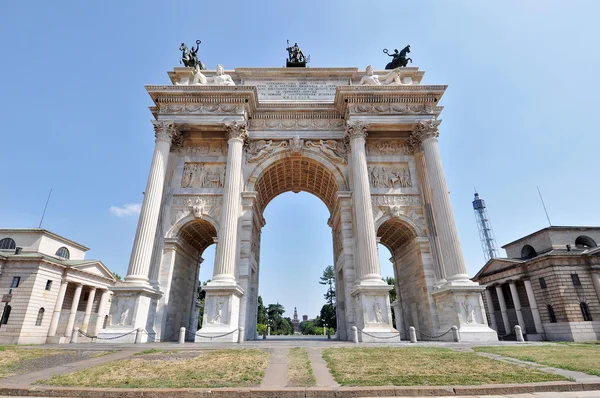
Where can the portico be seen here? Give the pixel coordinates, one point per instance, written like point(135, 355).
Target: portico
point(369, 152)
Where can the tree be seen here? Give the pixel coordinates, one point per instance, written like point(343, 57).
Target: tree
point(328, 316)
point(117, 276)
point(201, 297)
point(328, 278)
point(275, 311)
point(391, 281)
point(261, 316)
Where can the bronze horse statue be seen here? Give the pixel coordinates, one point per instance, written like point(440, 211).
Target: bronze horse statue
point(399, 58)
point(189, 58)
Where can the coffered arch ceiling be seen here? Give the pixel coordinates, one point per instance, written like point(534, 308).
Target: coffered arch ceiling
point(198, 233)
point(297, 174)
point(394, 233)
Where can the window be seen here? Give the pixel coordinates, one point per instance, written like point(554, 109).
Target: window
point(64, 253)
point(528, 252)
point(5, 315)
point(584, 242)
point(40, 317)
point(7, 244)
point(585, 311)
point(48, 284)
point(551, 313)
point(15, 282)
point(575, 279)
point(543, 283)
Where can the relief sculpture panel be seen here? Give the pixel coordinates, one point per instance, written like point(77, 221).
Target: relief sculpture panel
point(202, 175)
point(215, 148)
point(387, 148)
point(389, 176)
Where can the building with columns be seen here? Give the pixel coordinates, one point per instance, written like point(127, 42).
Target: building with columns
point(48, 288)
point(549, 284)
point(364, 142)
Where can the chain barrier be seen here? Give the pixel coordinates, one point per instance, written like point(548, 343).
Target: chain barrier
point(105, 338)
point(155, 340)
point(212, 337)
point(433, 337)
point(380, 337)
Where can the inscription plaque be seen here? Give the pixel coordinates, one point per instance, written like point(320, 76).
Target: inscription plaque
point(296, 89)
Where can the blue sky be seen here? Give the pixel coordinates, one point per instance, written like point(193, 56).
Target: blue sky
point(519, 111)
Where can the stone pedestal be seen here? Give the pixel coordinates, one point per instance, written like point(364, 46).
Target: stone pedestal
point(132, 307)
point(374, 313)
point(461, 305)
point(221, 314)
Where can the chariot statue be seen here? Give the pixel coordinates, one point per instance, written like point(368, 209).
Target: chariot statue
point(189, 58)
point(399, 59)
point(296, 57)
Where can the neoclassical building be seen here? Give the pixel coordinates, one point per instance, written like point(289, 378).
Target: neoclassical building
point(549, 284)
point(227, 143)
point(48, 288)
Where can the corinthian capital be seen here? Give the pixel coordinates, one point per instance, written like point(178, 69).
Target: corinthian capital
point(422, 132)
point(164, 130)
point(356, 130)
point(237, 130)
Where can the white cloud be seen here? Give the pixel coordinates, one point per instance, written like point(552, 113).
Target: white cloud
point(132, 209)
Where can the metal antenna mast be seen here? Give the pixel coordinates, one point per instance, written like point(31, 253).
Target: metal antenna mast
point(488, 242)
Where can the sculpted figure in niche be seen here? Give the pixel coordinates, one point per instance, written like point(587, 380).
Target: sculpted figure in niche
point(259, 149)
point(218, 311)
point(331, 148)
point(469, 311)
point(377, 312)
point(124, 316)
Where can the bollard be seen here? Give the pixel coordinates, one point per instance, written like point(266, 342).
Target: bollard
point(75, 336)
point(265, 334)
point(354, 334)
point(138, 336)
point(413, 334)
point(455, 335)
point(519, 333)
point(268, 330)
point(328, 334)
point(240, 335)
point(182, 335)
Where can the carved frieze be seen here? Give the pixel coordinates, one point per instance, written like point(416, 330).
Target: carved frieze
point(201, 175)
point(396, 200)
point(199, 108)
point(257, 150)
point(392, 108)
point(296, 124)
point(387, 147)
point(389, 177)
point(216, 148)
point(334, 150)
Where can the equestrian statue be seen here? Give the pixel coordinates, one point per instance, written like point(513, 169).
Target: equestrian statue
point(189, 58)
point(398, 58)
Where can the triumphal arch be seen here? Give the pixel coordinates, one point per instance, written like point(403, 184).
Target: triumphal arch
point(364, 142)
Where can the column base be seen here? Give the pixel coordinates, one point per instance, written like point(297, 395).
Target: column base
point(374, 314)
point(221, 314)
point(459, 303)
point(133, 306)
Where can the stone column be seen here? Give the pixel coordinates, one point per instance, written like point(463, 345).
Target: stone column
point(101, 309)
point(88, 310)
point(490, 304)
point(141, 254)
point(502, 303)
point(224, 271)
point(596, 279)
point(57, 308)
point(517, 302)
point(537, 320)
point(426, 137)
point(366, 242)
point(73, 313)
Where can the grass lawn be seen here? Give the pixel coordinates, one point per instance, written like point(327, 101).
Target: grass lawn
point(11, 358)
point(423, 366)
point(219, 368)
point(580, 357)
point(299, 369)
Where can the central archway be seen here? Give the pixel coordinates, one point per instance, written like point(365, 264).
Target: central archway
point(284, 173)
